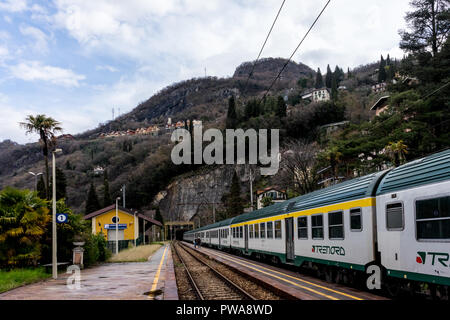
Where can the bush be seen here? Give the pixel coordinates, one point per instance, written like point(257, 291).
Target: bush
point(95, 250)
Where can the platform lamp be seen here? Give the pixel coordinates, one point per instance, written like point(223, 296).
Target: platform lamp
point(54, 256)
point(36, 175)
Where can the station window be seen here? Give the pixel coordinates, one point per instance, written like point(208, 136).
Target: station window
point(269, 230)
point(336, 225)
point(302, 227)
point(250, 231)
point(256, 231)
point(433, 219)
point(278, 229)
point(317, 226)
point(394, 216)
point(263, 230)
point(356, 219)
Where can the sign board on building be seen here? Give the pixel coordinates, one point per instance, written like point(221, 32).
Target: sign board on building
point(112, 226)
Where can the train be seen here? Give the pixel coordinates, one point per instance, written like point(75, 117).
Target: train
point(395, 221)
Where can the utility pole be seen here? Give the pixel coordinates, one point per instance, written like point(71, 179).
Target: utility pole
point(123, 194)
point(113, 114)
point(117, 225)
point(250, 178)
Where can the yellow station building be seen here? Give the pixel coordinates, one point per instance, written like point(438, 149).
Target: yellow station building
point(131, 224)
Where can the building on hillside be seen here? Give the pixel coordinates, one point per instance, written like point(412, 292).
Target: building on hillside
point(130, 224)
point(379, 87)
point(381, 105)
point(333, 127)
point(317, 95)
point(66, 137)
point(276, 194)
point(98, 170)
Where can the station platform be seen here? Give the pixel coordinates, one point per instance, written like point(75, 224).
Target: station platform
point(151, 280)
point(292, 284)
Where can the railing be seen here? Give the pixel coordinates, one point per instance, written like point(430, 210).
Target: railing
point(123, 244)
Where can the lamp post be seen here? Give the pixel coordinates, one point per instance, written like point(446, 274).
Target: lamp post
point(36, 175)
point(54, 256)
point(123, 194)
point(117, 225)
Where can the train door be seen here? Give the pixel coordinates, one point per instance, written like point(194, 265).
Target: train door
point(220, 237)
point(246, 237)
point(289, 223)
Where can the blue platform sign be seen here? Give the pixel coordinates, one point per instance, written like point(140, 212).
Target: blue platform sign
point(61, 218)
point(112, 226)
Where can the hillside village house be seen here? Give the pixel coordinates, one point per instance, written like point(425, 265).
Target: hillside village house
point(276, 194)
point(130, 223)
point(318, 95)
point(381, 105)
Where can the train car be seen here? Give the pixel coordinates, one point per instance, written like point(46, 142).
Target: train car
point(398, 219)
point(413, 215)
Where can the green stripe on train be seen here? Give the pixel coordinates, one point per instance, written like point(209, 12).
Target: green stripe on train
point(419, 277)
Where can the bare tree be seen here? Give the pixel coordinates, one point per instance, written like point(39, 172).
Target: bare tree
point(298, 166)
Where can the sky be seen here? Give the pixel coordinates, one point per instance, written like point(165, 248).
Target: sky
point(76, 60)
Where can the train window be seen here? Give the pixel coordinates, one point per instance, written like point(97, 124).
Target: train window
point(250, 231)
point(263, 230)
point(278, 229)
point(234, 232)
point(302, 227)
point(336, 225)
point(356, 219)
point(257, 231)
point(269, 230)
point(241, 232)
point(433, 219)
point(317, 226)
point(394, 216)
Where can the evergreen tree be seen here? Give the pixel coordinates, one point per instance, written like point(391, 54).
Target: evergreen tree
point(329, 77)
point(158, 216)
point(234, 204)
point(334, 88)
point(92, 203)
point(429, 24)
point(349, 74)
point(382, 70)
point(106, 195)
point(319, 80)
point(61, 185)
point(41, 188)
point(281, 107)
point(231, 115)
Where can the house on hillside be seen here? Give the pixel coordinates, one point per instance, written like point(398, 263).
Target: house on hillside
point(129, 226)
point(317, 95)
point(381, 105)
point(276, 194)
point(379, 87)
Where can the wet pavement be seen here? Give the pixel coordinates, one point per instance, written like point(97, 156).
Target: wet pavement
point(112, 281)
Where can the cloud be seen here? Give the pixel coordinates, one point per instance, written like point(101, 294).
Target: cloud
point(40, 38)
point(13, 5)
point(35, 71)
point(107, 68)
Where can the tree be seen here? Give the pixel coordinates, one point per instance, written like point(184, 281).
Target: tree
point(267, 202)
point(233, 202)
point(382, 70)
point(61, 184)
point(92, 203)
point(40, 188)
point(429, 26)
point(46, 127)
point(23, 220)
point(106, 195)
point(334, 88)
point(319, 79)
point(231, 115)
point(281, 107)
point(329, 77)
point(158, 216)
point(397, 151)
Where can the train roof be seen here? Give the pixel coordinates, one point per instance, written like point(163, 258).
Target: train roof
point(354, 189)
point(431, 169)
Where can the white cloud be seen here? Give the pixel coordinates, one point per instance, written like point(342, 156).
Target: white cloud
point(7, 19)
point(107, 68)
point(35, 71)
point(40, 38)
point(13, 5)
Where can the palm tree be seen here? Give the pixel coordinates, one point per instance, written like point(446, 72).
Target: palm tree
point(397, 152)
point(46, 127)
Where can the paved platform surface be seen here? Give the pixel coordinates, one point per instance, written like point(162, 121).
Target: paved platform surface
point(295, 284)
point(154, 280)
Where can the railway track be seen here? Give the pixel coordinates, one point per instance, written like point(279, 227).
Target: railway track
point(211, 280)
